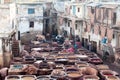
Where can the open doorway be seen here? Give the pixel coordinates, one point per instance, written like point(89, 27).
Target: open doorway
point(31, 24)
point(82, 41)
point(86, 43)
point(114, 18)
point(94, 46)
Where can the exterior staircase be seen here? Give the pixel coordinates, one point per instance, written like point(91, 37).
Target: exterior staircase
point(15, 48)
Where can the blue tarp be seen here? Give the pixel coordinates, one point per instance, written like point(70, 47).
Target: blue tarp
point(104, 40)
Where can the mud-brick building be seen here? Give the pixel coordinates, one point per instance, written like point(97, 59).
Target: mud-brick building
point(7, 35)
point(27, 16)
point(72, 18)
point(100, 28)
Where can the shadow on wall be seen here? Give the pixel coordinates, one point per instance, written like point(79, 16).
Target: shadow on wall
point(28, 36)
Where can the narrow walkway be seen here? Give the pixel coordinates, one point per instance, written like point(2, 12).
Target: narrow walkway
point(113, 67)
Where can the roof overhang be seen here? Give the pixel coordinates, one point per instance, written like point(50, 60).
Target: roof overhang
point(72, 17)
point(92, 4)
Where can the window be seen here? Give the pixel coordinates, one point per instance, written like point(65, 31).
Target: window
point(89, 38)
point(76, 26)
point(68, 23)
point(74, 10)
point(114, 18)
point(106, 32)
point(78, 9)
point(113, 36)
point(31, 24)
point(31, 10)
point(99, 32)
point(106, 13)
point(92, 10)
point(92, 29)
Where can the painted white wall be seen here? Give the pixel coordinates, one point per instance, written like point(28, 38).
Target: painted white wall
point(23, 26)
point(4, 10)
point(67, 29)
point(4, 19)
point(24, 18)
point(118, 15)
point(85, 34)
point(85, 10)
point(13, 15)
point(59, 6)
point(96, 38)
point(78, 31)
point(79, 14)
point(113, 42)
point(23, 10)
point(38, 26)
point(39, 11)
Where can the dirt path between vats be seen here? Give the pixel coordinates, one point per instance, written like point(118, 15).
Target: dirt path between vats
point(113, 67)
